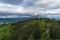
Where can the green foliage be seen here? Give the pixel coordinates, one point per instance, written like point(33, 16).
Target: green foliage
point(35, 29)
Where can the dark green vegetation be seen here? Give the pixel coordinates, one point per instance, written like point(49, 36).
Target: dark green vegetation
point(35, 29)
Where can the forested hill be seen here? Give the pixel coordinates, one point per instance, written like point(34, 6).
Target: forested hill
point(34, 29)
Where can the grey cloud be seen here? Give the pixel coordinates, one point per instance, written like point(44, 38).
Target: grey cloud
point(29, 3)
point(13, 2)
point(19, 2)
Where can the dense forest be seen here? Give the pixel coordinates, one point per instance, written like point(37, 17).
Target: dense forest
point(33, 29)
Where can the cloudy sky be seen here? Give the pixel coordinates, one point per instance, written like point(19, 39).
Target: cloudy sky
point(32, 7)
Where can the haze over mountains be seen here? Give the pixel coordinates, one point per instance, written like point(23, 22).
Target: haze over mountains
point(26, 15)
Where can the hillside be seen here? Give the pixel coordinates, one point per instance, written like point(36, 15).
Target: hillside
point(34, 29)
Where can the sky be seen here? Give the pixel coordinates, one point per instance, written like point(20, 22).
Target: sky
point(32, 7)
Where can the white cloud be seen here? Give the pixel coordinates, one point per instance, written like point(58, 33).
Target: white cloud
point(3, 4)
point(21, 9)
point(11, 8)
point(54, 11)
point(7, 8)
point(54, 4)
point(50, 6)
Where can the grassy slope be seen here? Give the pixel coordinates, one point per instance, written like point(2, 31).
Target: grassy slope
point(27, 29)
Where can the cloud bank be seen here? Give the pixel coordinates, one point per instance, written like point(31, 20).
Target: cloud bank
point(14, 16)
point(32, 7)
